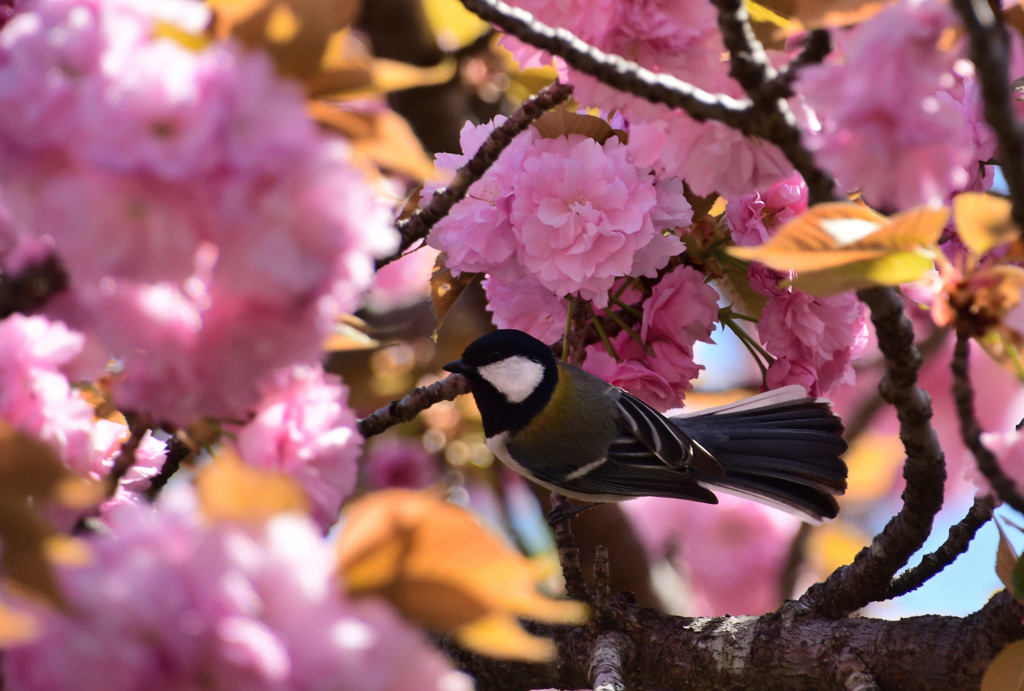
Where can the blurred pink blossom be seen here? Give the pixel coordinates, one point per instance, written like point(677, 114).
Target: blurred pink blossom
point(35, 395)
point(731, 554)
point(403, 282)
point(211, 236)
point(398, 462)
point(528, 306)
point(304, 428)
point(884, 104)
point(171, 603)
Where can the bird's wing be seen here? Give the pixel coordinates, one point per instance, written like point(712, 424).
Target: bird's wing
point(648, 436)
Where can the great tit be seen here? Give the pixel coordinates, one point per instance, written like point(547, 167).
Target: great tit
point(574, 433)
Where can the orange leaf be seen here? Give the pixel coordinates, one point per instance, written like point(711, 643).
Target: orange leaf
point(17, 627)
point(1006, 673)
point(436, 564)
point(445, 288)
point(230, 490)
point(31, 474)
point(840, 245)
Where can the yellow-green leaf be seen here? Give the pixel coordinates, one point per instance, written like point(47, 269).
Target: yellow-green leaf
point(983, 221)
point(1006, 673)
point(888, 270)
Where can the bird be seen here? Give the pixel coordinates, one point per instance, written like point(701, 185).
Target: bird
point(571, 432)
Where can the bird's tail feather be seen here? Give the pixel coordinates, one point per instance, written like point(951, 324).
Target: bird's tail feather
point(780, 450)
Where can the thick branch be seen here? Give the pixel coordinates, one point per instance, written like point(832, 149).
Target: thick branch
point(960, 536)
point(419, 224)
point(774, 120)
point(867, 579)
point(774, 652)
point(612, 69)
point(990, 53)
point(970, 430)
point(413, 404)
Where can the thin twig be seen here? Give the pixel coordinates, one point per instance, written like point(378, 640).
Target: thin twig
point(419, 224)
point(990, 53)
point(614, 70)
point(568, 553)
point(970, 430)
point(960, 536)
point(413, 404)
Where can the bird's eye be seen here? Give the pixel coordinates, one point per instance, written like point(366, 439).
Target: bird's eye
point(492, 355)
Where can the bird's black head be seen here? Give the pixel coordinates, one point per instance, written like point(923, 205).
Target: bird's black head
point(512, 376)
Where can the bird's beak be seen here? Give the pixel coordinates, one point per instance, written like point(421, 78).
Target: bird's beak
point(458, 367)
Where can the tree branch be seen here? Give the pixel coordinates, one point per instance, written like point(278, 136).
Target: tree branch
point(970, 430)
point(990, 53)
point(417, 226)
point(612, 69)
point(960, 536)
point(413, 404)
point(867, 579)
point(773, 118)
point(774, 652)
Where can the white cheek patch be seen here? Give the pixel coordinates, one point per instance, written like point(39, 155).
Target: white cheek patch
point(516, 377)
point(847, 231)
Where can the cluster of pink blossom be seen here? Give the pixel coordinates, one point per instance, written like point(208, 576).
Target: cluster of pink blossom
point(677, 38)
point(898, 96)
point(569, 213)
point(814, 340)
point(37, 399)
point(208, 230)
point(172, 603)
point(657, 364)
point(302, 427)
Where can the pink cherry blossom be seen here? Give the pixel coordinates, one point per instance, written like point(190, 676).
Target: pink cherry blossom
point(633, 375)
point(477, 234)
point(581, 211)
point(752, 218)
point(304, 428)
point(813, 337)
point(710, 156)
point(170, 603)
point(682, 309)
point(528, 306)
